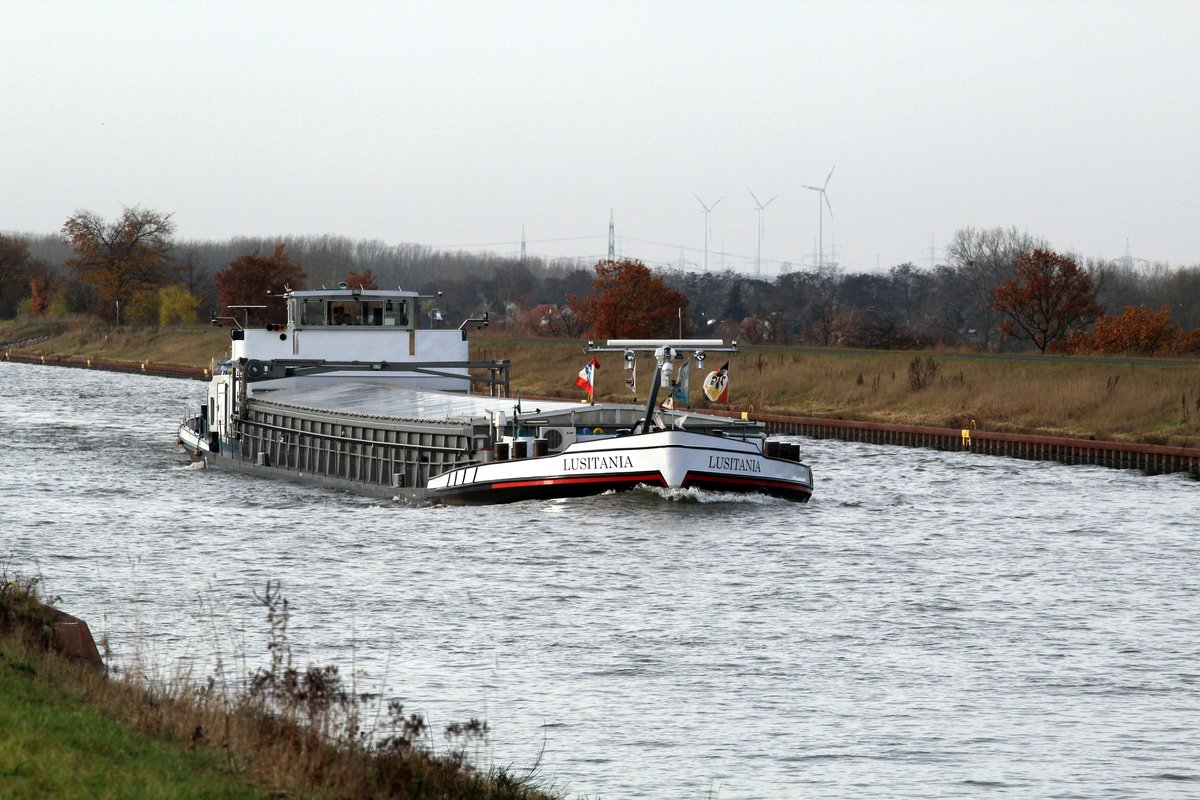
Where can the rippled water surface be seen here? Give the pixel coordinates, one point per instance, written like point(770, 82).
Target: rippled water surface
point(930, 625)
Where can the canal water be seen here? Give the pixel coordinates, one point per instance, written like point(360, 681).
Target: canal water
point(931, 625)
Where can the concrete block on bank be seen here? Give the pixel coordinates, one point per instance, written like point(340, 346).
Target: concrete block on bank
point(74, 639)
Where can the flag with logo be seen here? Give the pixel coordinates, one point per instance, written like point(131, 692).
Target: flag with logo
point(587, 378)
point(682, 387)
point(631, 381)
point(716, 385)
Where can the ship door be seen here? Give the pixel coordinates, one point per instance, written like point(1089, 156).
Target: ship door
point(223, 410)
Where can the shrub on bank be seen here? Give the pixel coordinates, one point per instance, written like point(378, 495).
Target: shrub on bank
point(1138, 330)
point(293, 731)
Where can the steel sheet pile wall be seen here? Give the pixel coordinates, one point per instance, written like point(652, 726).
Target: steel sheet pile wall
point(346, 447)
point(1150, 458)
point(79, 362)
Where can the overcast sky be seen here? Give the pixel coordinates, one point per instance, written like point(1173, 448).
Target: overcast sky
point(455, 124)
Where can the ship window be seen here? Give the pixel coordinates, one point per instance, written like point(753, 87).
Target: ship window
point(312, 312)
point(395, 312)
point(369, 313)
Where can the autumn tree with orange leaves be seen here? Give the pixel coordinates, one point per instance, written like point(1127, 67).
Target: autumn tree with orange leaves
point(120, 258)
point(253, 279)
point(361, 280)
point(1137, 330)
point(1048, 296)
point(628, 301)
point(42, 284)
point(16, 275)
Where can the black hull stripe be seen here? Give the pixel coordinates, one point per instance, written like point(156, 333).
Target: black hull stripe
point(791, 490)
point(544, 488)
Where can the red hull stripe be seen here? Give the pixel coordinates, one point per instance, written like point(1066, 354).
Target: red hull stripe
point(645, 477)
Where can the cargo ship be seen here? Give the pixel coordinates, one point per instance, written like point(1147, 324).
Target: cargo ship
point(362, 392)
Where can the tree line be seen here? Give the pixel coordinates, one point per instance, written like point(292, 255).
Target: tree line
point(133, 270)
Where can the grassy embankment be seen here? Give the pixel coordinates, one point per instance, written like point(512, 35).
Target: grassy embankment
point(55, 743)
point(1154, 401)
point(1149, 401)
point(59, 736)
point(68, 730)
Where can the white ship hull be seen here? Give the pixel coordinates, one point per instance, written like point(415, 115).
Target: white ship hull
point(669, 459)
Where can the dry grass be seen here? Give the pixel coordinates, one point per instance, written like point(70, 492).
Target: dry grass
point(16, 331)
point(295, 732)
point(1155, 401)
point(184, 345)
point(544, 367)
point(1151, 401)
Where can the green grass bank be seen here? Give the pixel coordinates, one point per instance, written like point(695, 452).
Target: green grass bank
point(55, 744)
point(70, 729)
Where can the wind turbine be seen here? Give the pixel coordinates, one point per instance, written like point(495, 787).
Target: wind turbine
point(758, 252)
point(821, 218)
point(707, 229)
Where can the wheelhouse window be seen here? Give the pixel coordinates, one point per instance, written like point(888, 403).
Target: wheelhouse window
point(351, 311)
point(394, 312)
point(313, 312)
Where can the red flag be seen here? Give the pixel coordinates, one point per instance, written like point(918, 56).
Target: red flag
point(587, 377)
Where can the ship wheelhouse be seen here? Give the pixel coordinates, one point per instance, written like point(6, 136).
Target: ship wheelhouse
point(354, 308)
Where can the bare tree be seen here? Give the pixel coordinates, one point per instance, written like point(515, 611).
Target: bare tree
point(119, 258)
point(984, 259)
point(14, 273)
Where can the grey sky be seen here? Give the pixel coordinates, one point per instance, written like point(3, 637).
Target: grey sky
point(450, 123)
